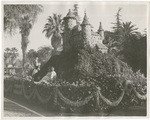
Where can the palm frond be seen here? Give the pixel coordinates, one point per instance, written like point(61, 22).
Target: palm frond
point(53, 25)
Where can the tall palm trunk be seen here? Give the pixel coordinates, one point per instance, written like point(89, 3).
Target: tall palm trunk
point(24, 44)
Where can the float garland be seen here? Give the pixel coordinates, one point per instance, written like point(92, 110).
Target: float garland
point(73, 103)
point(142, 97)
point(45, 100)
point(115, 103)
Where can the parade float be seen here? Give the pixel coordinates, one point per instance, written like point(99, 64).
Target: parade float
point(89, 80)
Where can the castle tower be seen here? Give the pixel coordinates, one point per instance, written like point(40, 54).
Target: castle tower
point(86, 30)
point(70, 22)
point(101, 31)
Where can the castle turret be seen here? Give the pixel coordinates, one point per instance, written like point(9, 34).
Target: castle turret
point(86, 30)
point(101, 31)
point(70, 22)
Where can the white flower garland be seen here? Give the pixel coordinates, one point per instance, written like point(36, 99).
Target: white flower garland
point(108, 102)
point(57, 93)
point(72, 103)
point(142, 97)
point(115, 103)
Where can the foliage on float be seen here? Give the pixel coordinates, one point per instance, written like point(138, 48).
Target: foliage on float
point(80, 96)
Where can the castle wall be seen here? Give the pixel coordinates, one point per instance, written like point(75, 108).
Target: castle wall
point(66, 40)
point(76, 39)
point(95, 39)
point(69, 24)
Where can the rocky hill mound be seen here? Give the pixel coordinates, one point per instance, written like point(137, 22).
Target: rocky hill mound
point(87, 63)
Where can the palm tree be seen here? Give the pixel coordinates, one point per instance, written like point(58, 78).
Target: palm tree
point(13, 14)
point(54, 28)
point(25, 27)
point(128, 44)
point(128, 29)
point(17, 16)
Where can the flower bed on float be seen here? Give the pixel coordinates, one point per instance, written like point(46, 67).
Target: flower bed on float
point(79, 96)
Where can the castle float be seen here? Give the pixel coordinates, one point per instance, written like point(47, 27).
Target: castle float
point(78, 35)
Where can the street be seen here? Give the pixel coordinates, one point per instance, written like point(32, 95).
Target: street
point(13, 109)
point(18, 108)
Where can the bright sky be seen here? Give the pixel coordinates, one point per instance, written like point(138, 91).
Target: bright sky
point(96, 12)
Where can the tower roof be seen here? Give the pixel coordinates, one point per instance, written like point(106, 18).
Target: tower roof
point(100, 27)
point(85, 20)
point(70, 14)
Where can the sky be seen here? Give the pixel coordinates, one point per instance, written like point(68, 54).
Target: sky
point(96, 13)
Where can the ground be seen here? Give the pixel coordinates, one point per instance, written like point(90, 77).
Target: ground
point(20, 108)
point(12, 109)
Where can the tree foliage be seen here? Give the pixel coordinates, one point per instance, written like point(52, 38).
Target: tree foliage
point(118, 24)
point(31, 56)
point(53, 28)
point(22, 17)
point(44, 54)
point(10, 56)
point(14, 13)
point(125, 42)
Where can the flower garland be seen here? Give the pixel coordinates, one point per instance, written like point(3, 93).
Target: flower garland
point(108, 102)
point(34, 94)
point(57, 93)
point(42, 100)
point(72, 103)
point(142, 97)
point(115, 103)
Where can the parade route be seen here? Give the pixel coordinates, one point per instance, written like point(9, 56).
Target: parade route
point(13, 109)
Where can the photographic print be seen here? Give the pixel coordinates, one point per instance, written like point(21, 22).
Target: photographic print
point(74, 59)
